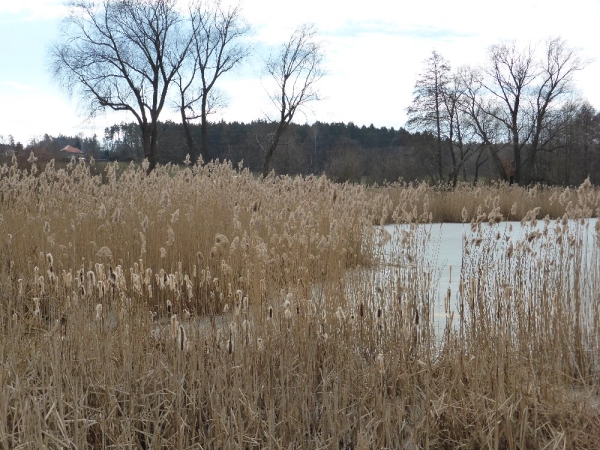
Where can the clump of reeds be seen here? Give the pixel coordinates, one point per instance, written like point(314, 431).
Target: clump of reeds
point(408, 202)
point(203, 307)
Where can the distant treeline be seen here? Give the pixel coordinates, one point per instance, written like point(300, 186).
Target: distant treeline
point(344, 152)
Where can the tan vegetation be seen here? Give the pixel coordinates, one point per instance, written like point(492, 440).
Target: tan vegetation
point(467, 202)
point(202, 306)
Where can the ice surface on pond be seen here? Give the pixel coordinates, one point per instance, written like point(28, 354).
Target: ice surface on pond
point(444, 251)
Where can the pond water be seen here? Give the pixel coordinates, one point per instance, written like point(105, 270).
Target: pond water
point(444, 246)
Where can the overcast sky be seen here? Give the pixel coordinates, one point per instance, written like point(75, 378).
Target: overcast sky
point(374, 51)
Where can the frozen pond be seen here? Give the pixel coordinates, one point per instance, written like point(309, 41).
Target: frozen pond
point(441, 251)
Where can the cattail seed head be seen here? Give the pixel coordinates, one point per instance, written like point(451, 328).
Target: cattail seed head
point(36, 306)
point(182, 342)
point(464, 215)
point(174, 326)
point(41, 284)
point(165, 200)
point(379, 361)
point(340, 314)
point(101, 288)
point(246, 331)
point(510, 250)
point(263, 286)
point(230, 344)
point(99, 311)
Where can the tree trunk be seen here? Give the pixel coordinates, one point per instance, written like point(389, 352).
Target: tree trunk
point(204, 127)
point(498, 164)
point(149, 137)
point(454, 176)
point(146, 142)
point(189, 139)
point(455, 165)
point(516, 154)
point(439, 133)
point(527, 171)
point(280, 129)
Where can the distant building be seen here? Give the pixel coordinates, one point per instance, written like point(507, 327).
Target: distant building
point(69, 151)
point(72, 150)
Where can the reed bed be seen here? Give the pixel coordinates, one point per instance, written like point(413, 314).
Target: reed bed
point(200, 307)
point(466, 202)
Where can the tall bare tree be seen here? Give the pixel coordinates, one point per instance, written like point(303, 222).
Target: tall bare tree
point(122, 55)
point(458, 134)
point(217, 48)
point(483, 130)
point(426, 112)
point(295, 70)
point(525, 88)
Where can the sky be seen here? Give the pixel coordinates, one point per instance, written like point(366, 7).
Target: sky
point(374, 51)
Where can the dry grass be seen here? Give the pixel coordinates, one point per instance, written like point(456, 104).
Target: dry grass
point(204, 308)
point(467, 202)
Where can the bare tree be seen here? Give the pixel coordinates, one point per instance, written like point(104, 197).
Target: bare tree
point(295, 69)
point(217, 48)
point(575, 135)
point(484, 131)
point(525, 90)
point(457, 129)
point(438, 107)
point(427, 108)
point(122, 55)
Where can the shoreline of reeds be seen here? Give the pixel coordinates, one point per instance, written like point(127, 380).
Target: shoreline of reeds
point(301, 345)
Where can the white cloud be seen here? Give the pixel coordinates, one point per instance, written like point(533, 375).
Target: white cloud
point(374, 51)
point(11, 85)
point(32, 114)
point(35, 9)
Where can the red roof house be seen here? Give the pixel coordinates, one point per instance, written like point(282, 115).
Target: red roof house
point(72, 150)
